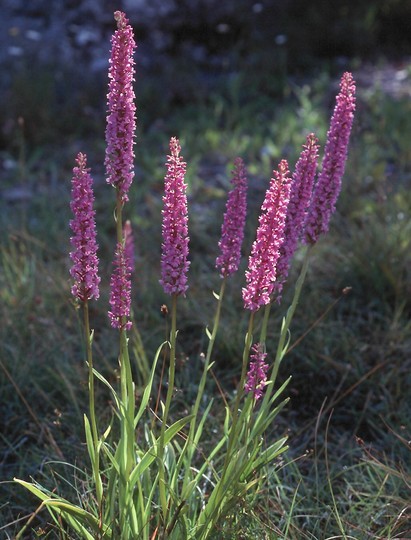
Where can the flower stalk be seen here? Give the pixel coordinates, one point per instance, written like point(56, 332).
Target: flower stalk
point(328, 185)
point(174, 268)
point(86, 287)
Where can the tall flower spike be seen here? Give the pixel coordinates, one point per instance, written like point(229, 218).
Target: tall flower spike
point(120, 293)
point(174, 256)
point(328, 184)
point(232, 230)
point(121, 124)
point(301, 191)
point(84, 255)
point(257, 373)
point(261, 273)
point(129, 245)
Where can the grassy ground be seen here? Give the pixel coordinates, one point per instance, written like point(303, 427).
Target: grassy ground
point(347, 473)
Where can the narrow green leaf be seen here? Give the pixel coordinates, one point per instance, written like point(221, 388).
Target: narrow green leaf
point(62, 506)
point(274, 450)
point(150, 455)
point(89, 439)
point(113, 459)
point(263, 417)
point(147, 390)
point(285, 348)
point(227, 421)
point(200, 426)
point(208, 462)
point(103, 438)
point(280, 390)
point(186, 494)
point(271, 453)
point(105, 381)
point(169, 458)
point(142, 465)
point(263, 421)
point(175, 428)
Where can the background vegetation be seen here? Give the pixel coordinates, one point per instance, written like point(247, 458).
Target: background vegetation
point(347, 473)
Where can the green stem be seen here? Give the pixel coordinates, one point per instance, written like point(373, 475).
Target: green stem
point(209, 350)
point(127, 412)
point(128, 399)
point(191, 436)
point(92, 409)
point(118, 218)
point(263, 333)
point(246, 354)
point(90, 373)
point(281, 348)
point(127, 386)
point(170, 392)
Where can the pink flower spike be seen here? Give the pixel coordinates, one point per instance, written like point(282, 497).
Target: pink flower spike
point(261, 273)
point(257, 372)
point(328, 184)
point(129, 245)
point(121, 123)
point(232, 230)
point(120, 293)
point(84, 255)
point(300, 196)
point(174, 256)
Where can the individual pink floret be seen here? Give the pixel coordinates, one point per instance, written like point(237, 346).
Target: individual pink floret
point(84, 255)
point(120, 291)
point(328, 185)
point(174, 256)
point(121, 124)
point(232, 230)
point(261, 273)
